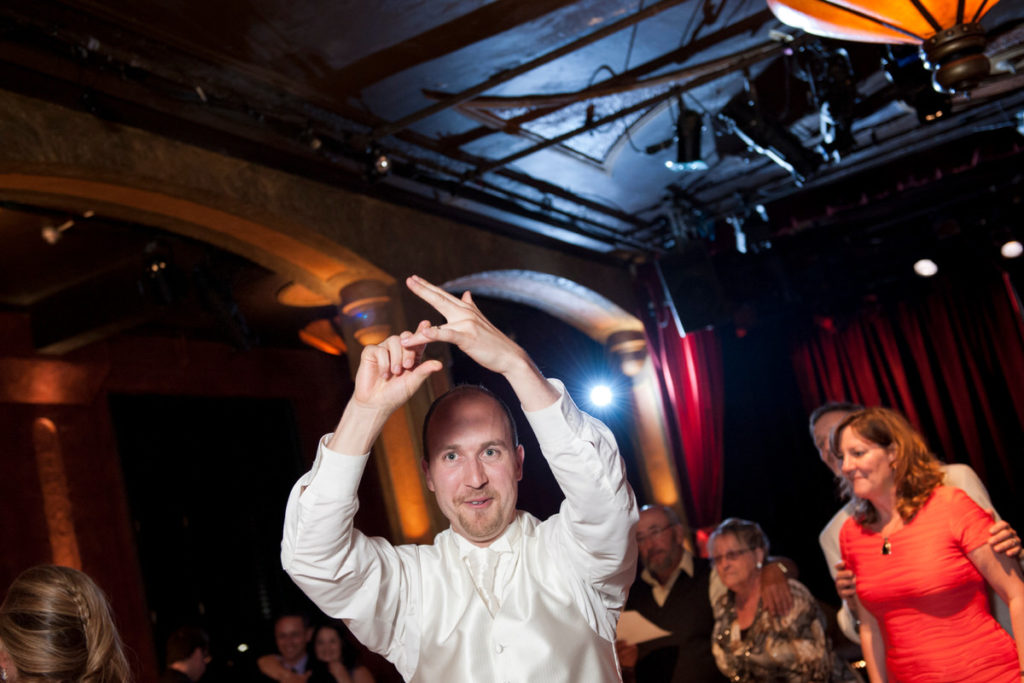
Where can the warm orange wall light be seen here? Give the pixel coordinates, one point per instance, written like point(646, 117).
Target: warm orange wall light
point(947, 30)
point(404, 472)
point(56, 500)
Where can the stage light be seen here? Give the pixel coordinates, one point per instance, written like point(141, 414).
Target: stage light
point(601, 395)
point(1011, 249)
point(242, 647)
point(380, 163)
point(688, 143)
point(926, 267)
point(768, 137)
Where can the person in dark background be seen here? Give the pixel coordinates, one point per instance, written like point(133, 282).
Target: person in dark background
point(337, 657)
point(671, 592)
point(676, 591)
point(292, 633)
point(188, 653)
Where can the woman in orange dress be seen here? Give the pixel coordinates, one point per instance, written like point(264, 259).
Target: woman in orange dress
point(921, 556)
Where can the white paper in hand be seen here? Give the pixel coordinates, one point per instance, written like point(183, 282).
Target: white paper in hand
point(635, 628)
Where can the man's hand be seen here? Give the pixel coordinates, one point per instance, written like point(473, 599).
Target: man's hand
point(846, 587)
point(775, 591)
point(1003, 538)
point(846, 584)
point(389, 374)
point(467, 328)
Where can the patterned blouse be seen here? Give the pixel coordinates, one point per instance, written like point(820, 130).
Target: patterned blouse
point(790, 649)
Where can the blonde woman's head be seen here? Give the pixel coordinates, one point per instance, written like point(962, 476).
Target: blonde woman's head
point(56, 625)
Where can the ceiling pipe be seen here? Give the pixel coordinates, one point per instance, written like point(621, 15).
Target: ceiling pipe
point(505, 76)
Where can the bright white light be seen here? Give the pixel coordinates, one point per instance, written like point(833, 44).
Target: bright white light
point(601, 395)
point(926, 267)
point(242, 647)
point(1012, 249)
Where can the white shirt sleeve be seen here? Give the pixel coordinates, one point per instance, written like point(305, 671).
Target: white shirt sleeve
point(828, 539)
point(346, 574)
point(964, 478)
point(596, 523)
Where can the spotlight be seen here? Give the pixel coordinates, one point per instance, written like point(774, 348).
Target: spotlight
point(926, 267)
point(903, 68)
point(1011, 249)
point(51, 234)
point(688, 143)
point(380, 164)
point(243, 647)
point(770, 138)
point(601, 395)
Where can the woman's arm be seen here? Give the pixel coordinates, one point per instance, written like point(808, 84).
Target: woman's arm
point(872, 645)
point(1004, 575)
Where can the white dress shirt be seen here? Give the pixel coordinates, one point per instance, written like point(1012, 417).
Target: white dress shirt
point(560, 584)
point(955, 475)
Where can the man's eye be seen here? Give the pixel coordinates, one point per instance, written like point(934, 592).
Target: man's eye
point(491, 451)
point(449, 456)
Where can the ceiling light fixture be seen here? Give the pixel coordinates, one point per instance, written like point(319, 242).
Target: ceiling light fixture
point(770, 138)
point(951, 39)
point(378, 164)
point(1011, 249)
point(689, 127)
point(926, 267)
point(903, 69)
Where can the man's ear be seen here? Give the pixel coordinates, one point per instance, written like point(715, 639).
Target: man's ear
point(520, 456)
point(425, 465)
point(309, 634)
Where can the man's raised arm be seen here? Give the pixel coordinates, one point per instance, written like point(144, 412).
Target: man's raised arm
point(345, 573)
point(599, 511)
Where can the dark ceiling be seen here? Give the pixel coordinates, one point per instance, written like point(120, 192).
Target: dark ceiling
point(553, 121)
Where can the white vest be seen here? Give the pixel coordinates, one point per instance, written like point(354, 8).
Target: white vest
point(537, 635)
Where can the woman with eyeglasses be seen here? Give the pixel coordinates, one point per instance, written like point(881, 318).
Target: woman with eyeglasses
point(921, 556)
point(749, 644)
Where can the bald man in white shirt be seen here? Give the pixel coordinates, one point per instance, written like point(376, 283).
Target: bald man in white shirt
point(500, 595)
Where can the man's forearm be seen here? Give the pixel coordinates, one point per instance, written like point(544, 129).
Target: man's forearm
point(358, 428)
point(531, 388)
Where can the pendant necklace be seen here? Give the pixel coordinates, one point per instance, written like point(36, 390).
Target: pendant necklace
point(886, 546)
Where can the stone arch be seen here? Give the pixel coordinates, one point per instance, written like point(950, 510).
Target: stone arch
point(322, 267)
point(572, 303)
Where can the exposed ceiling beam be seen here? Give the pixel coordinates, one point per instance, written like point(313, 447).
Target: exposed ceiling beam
point(509, 74)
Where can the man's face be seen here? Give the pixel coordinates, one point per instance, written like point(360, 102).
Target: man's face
point(822, 430)
point(659, 542)
point(473, 467)
point(292, 637)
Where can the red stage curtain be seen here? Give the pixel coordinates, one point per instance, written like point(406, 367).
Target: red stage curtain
point(940, 361)
point(689, 369)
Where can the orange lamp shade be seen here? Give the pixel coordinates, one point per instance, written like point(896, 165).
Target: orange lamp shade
point(878, 21)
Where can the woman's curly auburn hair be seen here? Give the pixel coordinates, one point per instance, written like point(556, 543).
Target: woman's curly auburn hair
point(916, 470)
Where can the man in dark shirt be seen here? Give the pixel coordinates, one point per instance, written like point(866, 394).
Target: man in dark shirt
point(188, 653)
point(671, 592)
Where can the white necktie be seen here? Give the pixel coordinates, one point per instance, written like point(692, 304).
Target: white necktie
point(483, 564)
